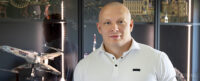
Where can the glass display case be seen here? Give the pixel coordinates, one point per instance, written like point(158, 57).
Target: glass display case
point(174, 11)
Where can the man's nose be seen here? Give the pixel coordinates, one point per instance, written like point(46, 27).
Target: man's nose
point(115, 28)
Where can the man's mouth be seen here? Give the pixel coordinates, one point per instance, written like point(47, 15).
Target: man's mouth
point(115, 36)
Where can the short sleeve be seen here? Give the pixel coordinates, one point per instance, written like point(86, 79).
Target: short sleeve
point(165, 70)
point(79, 71)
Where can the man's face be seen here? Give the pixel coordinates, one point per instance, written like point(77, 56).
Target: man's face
point(115, 25)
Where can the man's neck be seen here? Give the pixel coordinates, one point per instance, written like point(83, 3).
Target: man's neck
point(118, 50)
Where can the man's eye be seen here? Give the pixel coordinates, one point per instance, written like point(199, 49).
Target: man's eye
point(121, 22)
point(107, 23)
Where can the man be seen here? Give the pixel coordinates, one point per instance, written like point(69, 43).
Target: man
point(120, 57)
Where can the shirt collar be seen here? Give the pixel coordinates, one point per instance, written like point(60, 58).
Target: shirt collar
point(134, 46)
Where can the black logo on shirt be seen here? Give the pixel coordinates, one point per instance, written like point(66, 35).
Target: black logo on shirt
point(136, 69)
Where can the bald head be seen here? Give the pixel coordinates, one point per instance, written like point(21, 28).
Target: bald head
point(113, 7)
point(115, 26)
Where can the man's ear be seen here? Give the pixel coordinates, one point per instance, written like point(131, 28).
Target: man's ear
point(98, 27)
point(131, 25)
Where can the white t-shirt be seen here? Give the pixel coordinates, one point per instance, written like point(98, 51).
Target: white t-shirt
point(139, 63)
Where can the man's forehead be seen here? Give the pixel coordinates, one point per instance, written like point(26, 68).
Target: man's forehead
point(114, 8)
point(113, 17)
point(113, 4)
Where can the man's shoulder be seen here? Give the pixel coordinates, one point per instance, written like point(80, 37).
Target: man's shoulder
point(148, 50)
point(153, 55)
point(90, 57)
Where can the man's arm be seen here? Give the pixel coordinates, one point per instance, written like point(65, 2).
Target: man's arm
point(165, 69)
point(79, 72)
